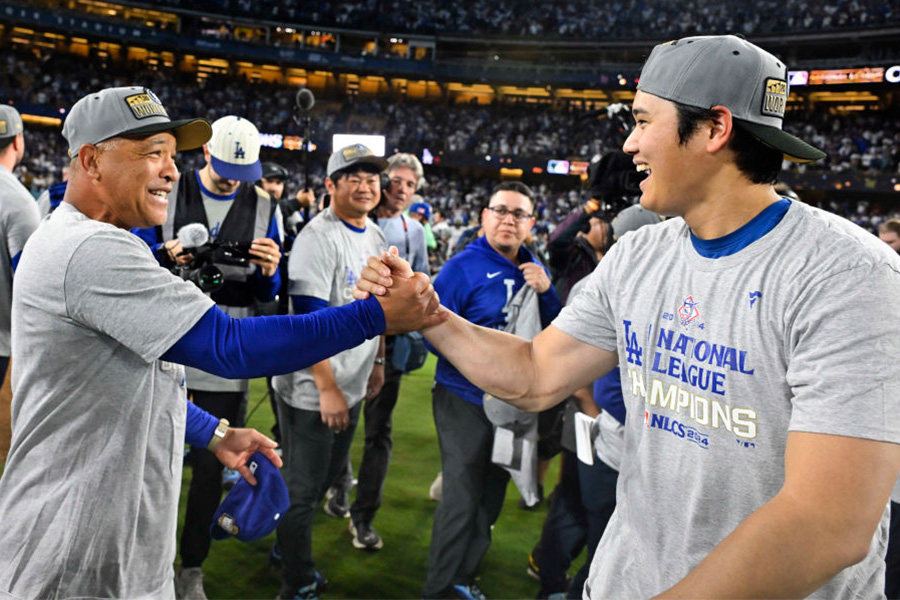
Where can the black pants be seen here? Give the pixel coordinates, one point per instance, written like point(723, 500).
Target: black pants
point(377, 451)
point(473, 493)
point(892, 558)
point(205, 492)
point(313, 457)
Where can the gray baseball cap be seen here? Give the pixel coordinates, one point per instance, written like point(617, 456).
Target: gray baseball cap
point(729, 71)
point(353, 154)
point(10, 122)
point(127, 111)
point(633, 218)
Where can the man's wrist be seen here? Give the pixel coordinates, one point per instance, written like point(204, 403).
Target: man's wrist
point(218, 435)
point(379, 360)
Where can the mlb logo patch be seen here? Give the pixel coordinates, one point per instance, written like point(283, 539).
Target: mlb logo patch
point(145, 105)
point(3, 128)
point(775, 97)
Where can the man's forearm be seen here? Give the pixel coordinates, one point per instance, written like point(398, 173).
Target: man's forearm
point(532, 375)
point(821, 522)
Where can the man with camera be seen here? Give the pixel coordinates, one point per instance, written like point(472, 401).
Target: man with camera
point(221, 197)
point(89, 494)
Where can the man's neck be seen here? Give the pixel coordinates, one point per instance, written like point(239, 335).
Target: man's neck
point(730, 208)
point(8, 158)
point(205, 177)
point(355, 220)
point(386, 212)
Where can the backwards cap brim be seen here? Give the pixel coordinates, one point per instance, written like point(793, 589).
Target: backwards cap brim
point(793, 148)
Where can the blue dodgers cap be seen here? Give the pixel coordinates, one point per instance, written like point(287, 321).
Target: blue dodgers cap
point(234, 149)
point(251, 512)
point(421, 208)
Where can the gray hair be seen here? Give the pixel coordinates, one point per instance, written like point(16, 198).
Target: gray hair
point(403, 159)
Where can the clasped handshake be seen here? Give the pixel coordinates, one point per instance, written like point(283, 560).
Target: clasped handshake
point(408, 299)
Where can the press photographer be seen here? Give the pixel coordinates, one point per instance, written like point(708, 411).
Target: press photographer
point(245, 246)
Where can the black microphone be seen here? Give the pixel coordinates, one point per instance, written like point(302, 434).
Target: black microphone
point(305, 100)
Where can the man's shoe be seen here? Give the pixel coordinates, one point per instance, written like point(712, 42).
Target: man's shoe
point(189, 584)
point(436, 491)
point(469, 592)
point(307, 592)
point(365, 537)
point(533, 570)
point(337, 503)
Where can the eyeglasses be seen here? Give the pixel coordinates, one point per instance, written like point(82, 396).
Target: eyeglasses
point(358, 181)
point(501, 211)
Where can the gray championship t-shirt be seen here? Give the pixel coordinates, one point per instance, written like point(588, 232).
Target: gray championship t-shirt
point(18, 219)
point(89, 497)
point(720, 359)
point(326, 260)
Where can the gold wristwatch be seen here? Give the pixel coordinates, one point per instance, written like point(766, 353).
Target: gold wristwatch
point(218, 435)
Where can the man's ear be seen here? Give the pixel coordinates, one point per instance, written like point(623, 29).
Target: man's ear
point(330, 186)
point(88, 160)
point(720, 129)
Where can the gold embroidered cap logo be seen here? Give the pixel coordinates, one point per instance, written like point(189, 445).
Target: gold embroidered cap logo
point(775, 97)
point(145, 105)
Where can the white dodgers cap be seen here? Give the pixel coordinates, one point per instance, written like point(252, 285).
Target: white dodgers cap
point(234, 149)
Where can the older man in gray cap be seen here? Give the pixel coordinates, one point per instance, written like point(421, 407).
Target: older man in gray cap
point(90, 491)
point(18, 219)
point(758, 354)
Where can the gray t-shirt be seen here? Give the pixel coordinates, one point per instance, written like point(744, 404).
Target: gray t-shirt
point(403, 232)
point(720, 359)
point(18, 220)
point(89, 496)
point(326, 260)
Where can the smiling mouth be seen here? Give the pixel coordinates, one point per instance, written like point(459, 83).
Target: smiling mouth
point(642, 169)
point(162, 195)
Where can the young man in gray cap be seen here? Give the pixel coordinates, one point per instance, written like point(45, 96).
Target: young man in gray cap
point(758, 356)
point(223, 197)
point(90, 490)
point(18, 219)
point(318, 407)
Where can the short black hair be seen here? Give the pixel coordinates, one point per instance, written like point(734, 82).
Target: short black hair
point(5, 142)
point(757, 161)
point(354, 169)
point(512, 186)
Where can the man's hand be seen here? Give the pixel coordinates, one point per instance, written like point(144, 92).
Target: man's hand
point(269, 255)
point(376, 381)
point(174, 249)
point(407, 298)
point(238, 446)
point(535, 276)
point(333, 407)
point(306, 198)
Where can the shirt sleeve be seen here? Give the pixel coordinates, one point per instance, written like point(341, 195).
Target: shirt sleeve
point(23, 218)
point(844, 344)
point(310, 267)
point(114, 286)
point(589, 317)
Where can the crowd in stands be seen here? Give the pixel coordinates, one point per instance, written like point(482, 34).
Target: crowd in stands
point(864, 142)
point(592, 19)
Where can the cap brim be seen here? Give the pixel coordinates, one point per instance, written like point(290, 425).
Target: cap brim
point(251, 172)
point(793, 148)
point(189, 133)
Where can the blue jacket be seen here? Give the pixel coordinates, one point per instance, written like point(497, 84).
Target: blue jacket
point(476, 284)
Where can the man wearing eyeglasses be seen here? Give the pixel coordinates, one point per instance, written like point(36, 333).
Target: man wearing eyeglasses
point(478, 284)
point(318, 407)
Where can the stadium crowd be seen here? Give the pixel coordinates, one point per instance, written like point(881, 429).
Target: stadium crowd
point(446, 202)
point(623, 19)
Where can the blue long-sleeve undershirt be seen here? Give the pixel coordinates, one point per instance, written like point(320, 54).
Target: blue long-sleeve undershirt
point(199, 426)
point(261, 346)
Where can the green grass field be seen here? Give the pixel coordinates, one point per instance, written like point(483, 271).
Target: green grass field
point(241, 570)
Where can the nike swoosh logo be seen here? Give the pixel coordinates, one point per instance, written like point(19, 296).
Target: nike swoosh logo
point(492, 275)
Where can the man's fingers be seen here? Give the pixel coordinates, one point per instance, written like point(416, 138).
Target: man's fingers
point(397, 265)
point(376, 275)
point(246, 474)
point(436, 319)
point(359, 294)
point(377, 265)
point(272, 456)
